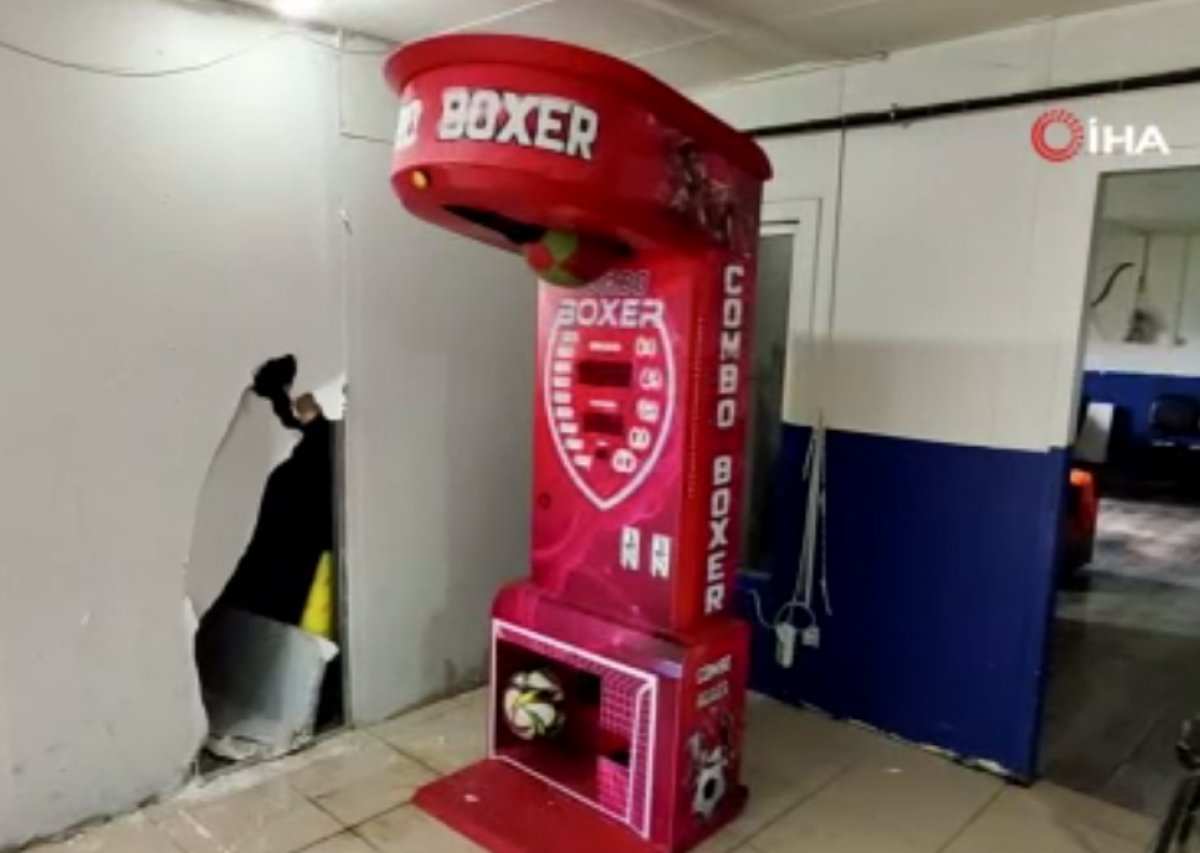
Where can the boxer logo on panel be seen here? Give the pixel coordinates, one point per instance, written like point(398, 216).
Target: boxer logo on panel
point(544, 122)
point(609, 386)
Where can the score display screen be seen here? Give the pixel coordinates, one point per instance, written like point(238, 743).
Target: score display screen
point(604, 423)
point(609, 392)
point(605, 374)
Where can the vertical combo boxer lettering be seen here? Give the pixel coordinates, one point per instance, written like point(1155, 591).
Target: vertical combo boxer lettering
point(729, 386)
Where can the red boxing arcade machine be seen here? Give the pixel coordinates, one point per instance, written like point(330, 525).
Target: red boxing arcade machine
point(609, 181)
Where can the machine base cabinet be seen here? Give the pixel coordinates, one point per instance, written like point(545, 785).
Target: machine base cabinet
point(648, 755)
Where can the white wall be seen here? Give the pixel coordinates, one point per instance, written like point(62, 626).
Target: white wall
point(807, 170)
point(160, 238)
point(162, 235)
point(937, 320)
point(1189, 319)
point(441, 401)
point(938, 330)
point(1145, 38)
point(955, 259)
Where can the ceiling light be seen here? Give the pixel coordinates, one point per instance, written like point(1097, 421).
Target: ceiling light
point(301, 9)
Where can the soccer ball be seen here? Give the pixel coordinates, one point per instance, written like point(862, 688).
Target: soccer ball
point(570, 259)
point(710, 781)
point(533, 704)
point(711, 787)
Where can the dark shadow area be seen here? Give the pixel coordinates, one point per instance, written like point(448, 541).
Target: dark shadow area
point(1125, 657)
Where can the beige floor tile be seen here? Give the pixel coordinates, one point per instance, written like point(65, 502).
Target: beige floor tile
point(895, 799)
point(770, 798)
point(447, 741)
point(129, 835)
point(722, 842)
point(270, 818)
point(790, 754)
point(802, 747)
point(345, 843)
point(1050, 820)
point(808, 836)
point(359, 779)
point(245, 777)
point(817, 786)
point(410, 830)
point(472, 698)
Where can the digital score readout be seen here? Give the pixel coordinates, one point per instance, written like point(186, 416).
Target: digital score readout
point(610, 390)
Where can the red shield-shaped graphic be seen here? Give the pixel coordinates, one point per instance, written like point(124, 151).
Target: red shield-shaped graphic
point(610, 397)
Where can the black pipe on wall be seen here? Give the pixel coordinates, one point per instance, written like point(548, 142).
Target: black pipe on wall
point(909, 115)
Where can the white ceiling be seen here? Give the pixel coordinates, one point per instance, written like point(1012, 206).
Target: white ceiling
point(1154, 201)
point(698, 43)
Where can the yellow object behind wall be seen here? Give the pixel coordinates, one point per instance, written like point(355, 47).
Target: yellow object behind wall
point(319, 613)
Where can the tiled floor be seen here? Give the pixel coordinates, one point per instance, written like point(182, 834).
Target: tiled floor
point(1124, 659)
point(817, 787)
point(1145, 572)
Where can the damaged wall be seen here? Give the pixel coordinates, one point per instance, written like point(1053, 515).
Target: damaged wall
point(160, 236)
point(252, 445)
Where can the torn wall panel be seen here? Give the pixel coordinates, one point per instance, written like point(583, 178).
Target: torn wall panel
point(252, 446)
point(145, 273)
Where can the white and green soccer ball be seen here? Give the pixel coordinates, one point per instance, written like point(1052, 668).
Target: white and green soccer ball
point(533, 704)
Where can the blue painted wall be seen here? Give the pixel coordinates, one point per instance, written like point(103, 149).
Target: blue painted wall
point(1133, 394)
point(941, 564)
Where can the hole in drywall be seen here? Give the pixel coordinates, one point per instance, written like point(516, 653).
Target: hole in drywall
point(263, 573)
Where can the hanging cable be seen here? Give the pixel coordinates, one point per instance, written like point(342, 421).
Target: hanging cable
point(758, 610)
point(134, 73)
point(1111, 282)
point(813, 539)
point(806, 575)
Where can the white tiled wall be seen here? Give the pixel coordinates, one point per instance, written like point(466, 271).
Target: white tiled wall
point(956, 258)
point(1128, 41)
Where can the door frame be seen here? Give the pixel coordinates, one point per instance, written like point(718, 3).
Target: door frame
point(801, 219)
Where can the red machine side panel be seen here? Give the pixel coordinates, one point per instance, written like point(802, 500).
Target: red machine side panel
point(711, 528)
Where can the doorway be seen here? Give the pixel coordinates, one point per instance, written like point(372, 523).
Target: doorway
point(776, 251)
point(783, 339)
point(1125, 647)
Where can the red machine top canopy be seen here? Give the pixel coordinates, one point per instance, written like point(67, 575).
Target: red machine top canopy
point(502, 137)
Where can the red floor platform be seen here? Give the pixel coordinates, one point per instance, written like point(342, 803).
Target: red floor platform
point(508, 811)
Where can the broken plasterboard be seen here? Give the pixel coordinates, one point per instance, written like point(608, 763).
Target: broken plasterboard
point(262, 683)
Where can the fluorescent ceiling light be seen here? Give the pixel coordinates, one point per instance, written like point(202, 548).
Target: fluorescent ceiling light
point(302, 9)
